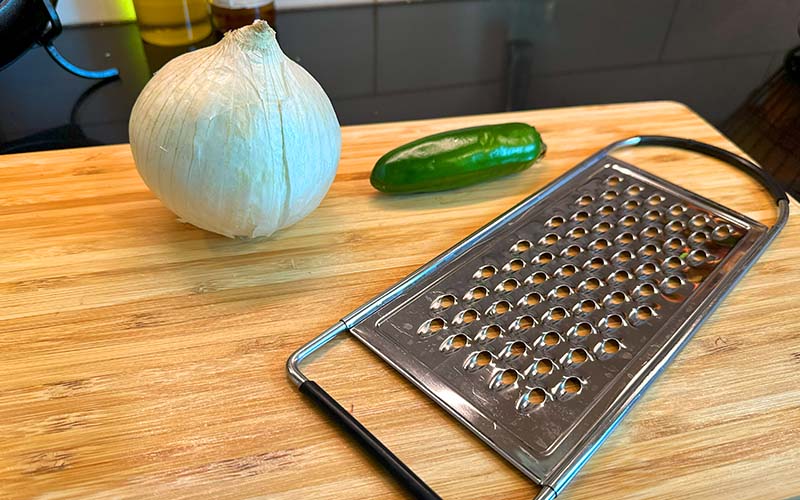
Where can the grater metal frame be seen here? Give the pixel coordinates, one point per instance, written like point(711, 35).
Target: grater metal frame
point(554, 475)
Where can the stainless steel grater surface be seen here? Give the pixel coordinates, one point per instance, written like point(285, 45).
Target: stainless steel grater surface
point(539, 333)
point(540, 330)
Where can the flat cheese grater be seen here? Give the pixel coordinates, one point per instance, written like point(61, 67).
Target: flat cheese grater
point(539, 331)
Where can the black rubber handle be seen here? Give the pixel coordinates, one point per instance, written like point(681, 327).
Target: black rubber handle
point(405, 476)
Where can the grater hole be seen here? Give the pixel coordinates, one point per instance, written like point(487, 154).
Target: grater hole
point(634, 190)
point(510, 285)
point(459, 341)
point(613, 181)
point(533, 399)
point(549, 239)
point(483, 358)
point(698, 221)
point(630, 205)
point(673, 262)
point(514, 265)
point(652, 215)
point(525, 322)
point(647, 290)
point(517, 348)
point(536, 397)
point(544, 258)
point(533, 298)
point(648, 250)
point(543, 366)
point(621, 276)
point(572, 385)
point(650, 232)
point(721, 232)
point(468, 316)
point(554, 222)
point(605, 210)
point(591, 284)
point(614, 321)
point(628, 221)
point(432, 326)
point(625, 238)
point(500, 307)
point(596, 263)
point(611, 346)
point(478, 360)
point(486, 272)
point(509, 377)
point(602, 227)
point(537, 278)
point(674, 243)
point(571, 251)
point(587, 306)
point(643, 313)
point(558, 313)
point(477, 293)
point(443, 302)
point(551, 339)
point(617, 298)
point(563, 291)
point(578, 356)
point(600, 244)
point(623, 257)
point(699, 237)
point(491, 332)
point(567, 270)
point(655, 199)
point(521, 246)
point(675, 226)
point(698, 256)
point(581, 216)
point(673, 283)
point(677, 210)
point(610, 195)
point(648, 268)
point(577, 233)
point(583, 329)
point(585, 200)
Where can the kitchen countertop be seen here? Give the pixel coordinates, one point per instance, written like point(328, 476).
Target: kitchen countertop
point(140, 356)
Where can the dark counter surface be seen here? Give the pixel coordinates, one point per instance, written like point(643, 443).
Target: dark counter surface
point(385, 62)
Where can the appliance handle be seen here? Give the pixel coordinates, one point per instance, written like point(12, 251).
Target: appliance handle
point(46, 41)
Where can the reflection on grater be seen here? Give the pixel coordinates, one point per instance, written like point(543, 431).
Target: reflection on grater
point(539, 331)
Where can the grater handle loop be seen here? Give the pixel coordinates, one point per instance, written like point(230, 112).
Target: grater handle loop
point(747, 166)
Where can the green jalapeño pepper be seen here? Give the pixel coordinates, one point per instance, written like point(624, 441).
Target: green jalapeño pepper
point(458, 158)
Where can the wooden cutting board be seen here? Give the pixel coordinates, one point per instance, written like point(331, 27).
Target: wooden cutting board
point(140, 356)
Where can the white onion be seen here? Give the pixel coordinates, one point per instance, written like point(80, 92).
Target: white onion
point(236, 138)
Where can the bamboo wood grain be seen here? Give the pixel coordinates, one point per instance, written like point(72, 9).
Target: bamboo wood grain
point(141, 357)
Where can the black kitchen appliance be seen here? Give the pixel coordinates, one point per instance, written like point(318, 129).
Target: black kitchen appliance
point(26, 23)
